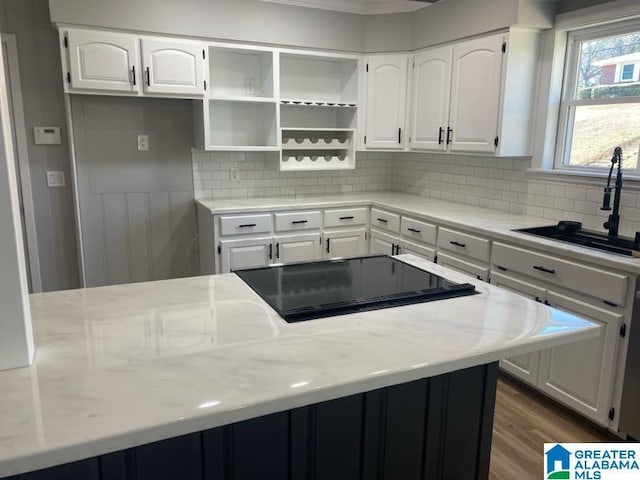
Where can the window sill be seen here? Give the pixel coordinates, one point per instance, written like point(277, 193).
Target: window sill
point(594, 179)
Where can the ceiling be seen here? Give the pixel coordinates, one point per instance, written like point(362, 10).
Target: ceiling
point(363, 7)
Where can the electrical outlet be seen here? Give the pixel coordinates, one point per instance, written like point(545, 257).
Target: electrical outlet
point(143, 143)
point(234, 175)
point(250, 86)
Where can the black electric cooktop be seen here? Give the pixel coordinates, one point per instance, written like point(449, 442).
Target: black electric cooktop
point(306, 291)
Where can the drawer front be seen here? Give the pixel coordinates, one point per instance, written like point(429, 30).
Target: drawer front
point(464, 266)
point(345, 217)
point(418, 231)
point(289, 221)
point(608, 286)
point(386, 220)
point(464, 244)
point(245, 224)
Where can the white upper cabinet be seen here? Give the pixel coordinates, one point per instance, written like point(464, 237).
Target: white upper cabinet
point(103, 61)
point(386, 101)
point(173, 67)
point(431, 89)
point(475, 94)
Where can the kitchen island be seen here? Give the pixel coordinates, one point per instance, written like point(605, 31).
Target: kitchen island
point(200, 378)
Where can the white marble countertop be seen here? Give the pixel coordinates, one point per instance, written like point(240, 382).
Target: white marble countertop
point(494, 223)
point(131, 364)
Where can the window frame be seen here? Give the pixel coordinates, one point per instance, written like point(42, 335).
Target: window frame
point(622, 72)
point(568, 103)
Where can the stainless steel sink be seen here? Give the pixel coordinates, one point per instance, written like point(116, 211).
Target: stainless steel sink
point(572, 232)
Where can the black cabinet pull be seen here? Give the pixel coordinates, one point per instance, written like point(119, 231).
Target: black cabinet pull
point(545, 270)
point(383, 220)
point(414, 230)
point(546, 302)
point(148, 78)
point(449, 132)
point(440, 135)
point(328, 245)
point(347, 218)
point(133, 71)
point(538, 299)
point(501, 268)
point(278, 250)
point(271, 251)
point(397, 249)
point(458, 244)
point(399, 135)
point(297, 222)
point(245, 225)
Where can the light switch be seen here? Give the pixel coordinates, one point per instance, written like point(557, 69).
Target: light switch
point(46, 135)
point(143, 143)
point(55, 179)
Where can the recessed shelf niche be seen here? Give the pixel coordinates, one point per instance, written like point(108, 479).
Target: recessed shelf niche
point(240, 72)
point(242, 124)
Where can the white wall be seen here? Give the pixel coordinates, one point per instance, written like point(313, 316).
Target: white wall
point(16, 334)
point(241, 20)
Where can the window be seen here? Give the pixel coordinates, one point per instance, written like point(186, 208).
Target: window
point(600, 106)
point(627, 72)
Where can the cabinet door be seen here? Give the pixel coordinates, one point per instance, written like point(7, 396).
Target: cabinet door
point(425, 252)
point(525, 367)
point(475, 94)
point(382, 243)
point(431, 95)
point(345, 243)
point(104, 61)
point(173, 67)
point(386, 101)
point(298, 248)
point(581, 374)
point(456, 263)
point(245, 253)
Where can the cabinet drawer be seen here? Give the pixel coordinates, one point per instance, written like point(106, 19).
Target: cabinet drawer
point(460, 265)
point(245, 224)
point(345, 217)
point(388, 221)
point(518, 286)
point(418, 231)
point(287, 221)
point(594, 282)
point(464, 244)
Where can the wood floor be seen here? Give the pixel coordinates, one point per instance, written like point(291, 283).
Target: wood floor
point(524, 421)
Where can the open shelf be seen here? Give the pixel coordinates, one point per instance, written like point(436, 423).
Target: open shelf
point(241, 124)
point(305, 129)
point(240, 72)
point(315, 143)
point(317, 162)
point(242, 99)
point(318, 79)
point(316, 103)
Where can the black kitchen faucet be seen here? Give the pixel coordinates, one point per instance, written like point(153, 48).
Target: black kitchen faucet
point(613, 222)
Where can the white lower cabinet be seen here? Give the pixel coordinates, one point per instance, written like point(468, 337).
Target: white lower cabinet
point(345, 243)
point(298, 248)
point(481, 272)
point(581, 374)
point(383, 244)
point(245, 253)
point(524, 367)
point(428, 253)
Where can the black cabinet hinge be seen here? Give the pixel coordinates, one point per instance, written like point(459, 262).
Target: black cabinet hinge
point(367, 69)
point(66, 42)
point(203, 57)
point(612, 413)
point(219, 249)
point(69, 77)
point(496, 141)
point(623, 330)
point(504, 47)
